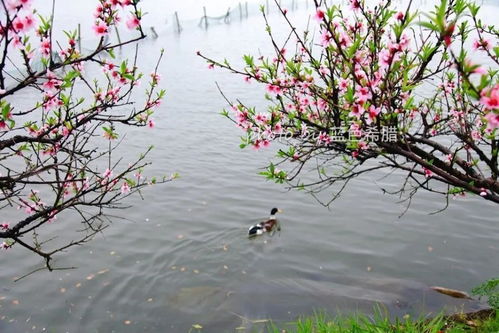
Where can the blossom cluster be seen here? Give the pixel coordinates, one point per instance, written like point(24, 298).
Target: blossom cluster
point(364, 77)
point(57, 136)
point(106, 15)
point(366, 68)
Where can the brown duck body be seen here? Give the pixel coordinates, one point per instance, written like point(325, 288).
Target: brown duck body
point(269, 225)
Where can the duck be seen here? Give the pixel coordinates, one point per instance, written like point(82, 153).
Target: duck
point(265, 226)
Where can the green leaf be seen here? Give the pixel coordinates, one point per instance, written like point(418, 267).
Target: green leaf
point(123, 68)
point(474, 8)
point(429, 25)
point(6, 111)
point(249, 60)
point(129, 77)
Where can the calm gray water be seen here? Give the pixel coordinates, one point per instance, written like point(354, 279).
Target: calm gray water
point(181, 256)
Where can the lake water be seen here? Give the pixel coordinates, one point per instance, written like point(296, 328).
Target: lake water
point(181, 256)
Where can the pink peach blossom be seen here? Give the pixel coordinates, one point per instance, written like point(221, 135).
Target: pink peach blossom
point(17, 43)
point(45, 47)
point(29, 22)
point(18, 25)
point(133, 22)
point(100, 28)
point(99, 10)
point(274, 89)
point(354, 5)
point(372, 114)
point(125, 188)
point(12, 5)
point(319, 15)
point(484, 44)
point(362, 94)
point(356, 111)
point(324, 138)
point(492, 120)
point(344, 84)
point(427, 172)
point(490, 98)
point(107, 174)
point(326, 38)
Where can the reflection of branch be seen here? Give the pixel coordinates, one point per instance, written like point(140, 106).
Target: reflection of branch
point(41, 269)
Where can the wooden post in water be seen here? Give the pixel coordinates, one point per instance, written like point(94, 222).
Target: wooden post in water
point(240, 12)
point(179, 28)
point(227, 16)
point(246, 8)
point(205, 17)
point(154, 33)
point(118, 35)
point(79, 37)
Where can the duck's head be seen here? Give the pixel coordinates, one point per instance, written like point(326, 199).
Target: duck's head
point(275, 211)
